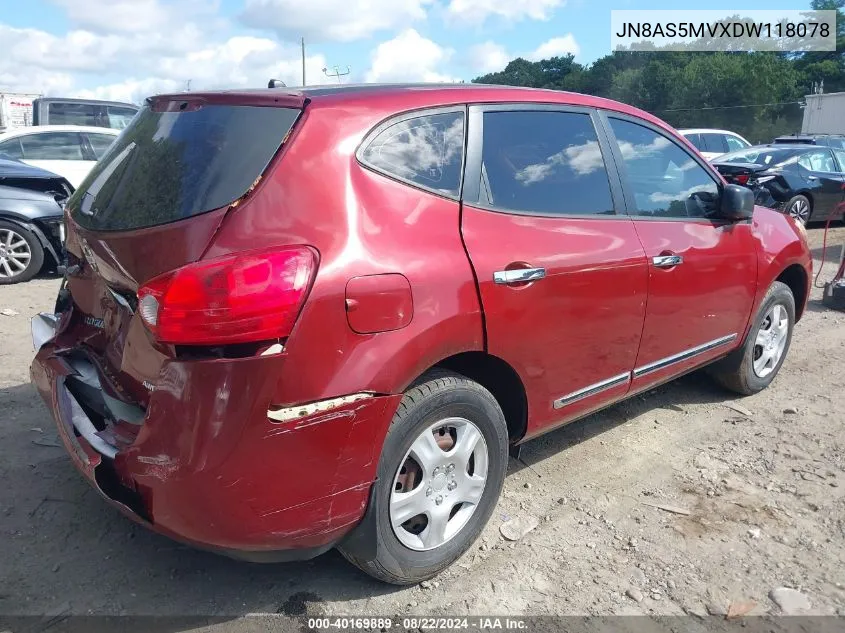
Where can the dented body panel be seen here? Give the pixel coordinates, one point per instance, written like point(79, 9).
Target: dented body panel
point(216, 471)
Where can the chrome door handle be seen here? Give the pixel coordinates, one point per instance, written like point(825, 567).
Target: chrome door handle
point(519, 275)
point(667, 261)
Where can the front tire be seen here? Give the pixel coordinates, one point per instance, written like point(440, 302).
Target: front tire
point(753, 367)
point(21, 254)
point(439, 477)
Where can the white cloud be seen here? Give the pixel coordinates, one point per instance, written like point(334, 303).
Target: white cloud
point(340, 20)
point(41, 62)
point(556, 47)
point(134, 16)
point(409, 57)
point(477, 11)
point(488, 57)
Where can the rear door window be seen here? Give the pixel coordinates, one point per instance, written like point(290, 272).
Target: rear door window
point(52, 146)
point(100, 143)
point(735, 143)
point(818, 160)
point(426, 151)
point(544, 163)
point(167, 166)
point(695, 139)
point(714, 143)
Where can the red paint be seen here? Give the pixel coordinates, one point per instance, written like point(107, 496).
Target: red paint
point(580, 324)
point(379, 303)
point(405, 280)
point(707, 297)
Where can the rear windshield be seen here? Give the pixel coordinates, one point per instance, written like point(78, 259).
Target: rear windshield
point(167, 166)
point(760, 155)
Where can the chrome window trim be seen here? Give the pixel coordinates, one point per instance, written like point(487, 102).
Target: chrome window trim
point(682, 356)
point(591, 390)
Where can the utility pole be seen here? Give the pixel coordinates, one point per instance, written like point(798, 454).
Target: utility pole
point(337, 74)
point(303, 62)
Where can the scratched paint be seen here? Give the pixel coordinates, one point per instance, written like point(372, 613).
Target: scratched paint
point(293, 413)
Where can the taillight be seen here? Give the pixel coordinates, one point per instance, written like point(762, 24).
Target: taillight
point(248, 297)
point(741, 179)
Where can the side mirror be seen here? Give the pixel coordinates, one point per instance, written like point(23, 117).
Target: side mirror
point(737, 203)
point(276, 83)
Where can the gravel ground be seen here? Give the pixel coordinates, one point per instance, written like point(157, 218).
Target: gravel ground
point(682, 500)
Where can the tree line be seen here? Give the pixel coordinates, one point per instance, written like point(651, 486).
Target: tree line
point(757, 94)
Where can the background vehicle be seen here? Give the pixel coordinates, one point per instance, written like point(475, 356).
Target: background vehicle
point(834, 141)
point(824, 114)
point(15, 109)
point(712, 143)
point(31, 229)
point(87, 112)
point(353, 336)
point(805, 181)
point(23, 110)
point(68, 150)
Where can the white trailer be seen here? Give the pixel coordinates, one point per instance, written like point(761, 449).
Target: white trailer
point(16, 109)
point(824, 114)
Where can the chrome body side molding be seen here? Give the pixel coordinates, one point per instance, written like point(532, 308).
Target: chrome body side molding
point(682, 356)
point(591, 390)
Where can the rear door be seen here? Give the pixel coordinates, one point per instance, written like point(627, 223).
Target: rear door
point(825, 181)
point(561, 273)
point(714, 144)
point(702, 271)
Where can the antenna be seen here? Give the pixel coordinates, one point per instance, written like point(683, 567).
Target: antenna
point(336, 73)
point(303, 62)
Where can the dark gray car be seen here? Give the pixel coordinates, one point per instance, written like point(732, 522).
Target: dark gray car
point(31, 231)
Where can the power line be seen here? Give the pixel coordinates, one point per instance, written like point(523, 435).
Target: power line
point(752, 105)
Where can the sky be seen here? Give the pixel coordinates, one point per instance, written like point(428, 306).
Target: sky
point(126, 50)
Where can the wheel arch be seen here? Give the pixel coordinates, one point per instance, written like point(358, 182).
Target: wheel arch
point(28, 225)
point(809, 195)
point(500, 379)
point(795, 277)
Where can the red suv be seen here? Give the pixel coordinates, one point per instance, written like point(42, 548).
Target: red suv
point(299, 319)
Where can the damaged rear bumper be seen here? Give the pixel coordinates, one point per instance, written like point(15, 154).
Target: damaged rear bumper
point(224, 475)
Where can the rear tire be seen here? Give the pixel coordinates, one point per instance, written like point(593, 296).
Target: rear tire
point(753, 367)
point(445, 455)
point(21, 254)
point(799, 208)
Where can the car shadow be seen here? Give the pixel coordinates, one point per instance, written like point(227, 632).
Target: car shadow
point(68, 552)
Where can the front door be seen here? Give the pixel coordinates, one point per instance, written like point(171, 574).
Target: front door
point(702, 271)
point(561, 272)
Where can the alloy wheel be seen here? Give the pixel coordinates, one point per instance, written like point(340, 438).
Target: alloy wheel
point(770, 342)
point(800, 210)
point(439, 484)
point(15, 254)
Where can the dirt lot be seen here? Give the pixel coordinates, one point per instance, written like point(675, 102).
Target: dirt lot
point(756, 489)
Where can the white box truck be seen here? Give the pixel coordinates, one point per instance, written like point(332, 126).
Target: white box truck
point(16, 109)
point(824, 114)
